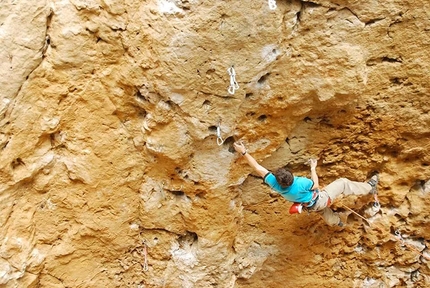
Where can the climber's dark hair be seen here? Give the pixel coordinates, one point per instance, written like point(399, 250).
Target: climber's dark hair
point(284, 177)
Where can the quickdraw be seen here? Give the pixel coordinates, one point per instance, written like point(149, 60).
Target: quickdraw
point(145, 255)
point(403, 243)
point(233, 84)
point(219, 139)
point(272, 4)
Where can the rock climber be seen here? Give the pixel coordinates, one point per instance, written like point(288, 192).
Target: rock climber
point(304, 192)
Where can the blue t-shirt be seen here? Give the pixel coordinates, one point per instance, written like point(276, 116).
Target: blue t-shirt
point(300, 191)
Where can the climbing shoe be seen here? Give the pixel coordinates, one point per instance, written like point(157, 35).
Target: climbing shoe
point(373, 181)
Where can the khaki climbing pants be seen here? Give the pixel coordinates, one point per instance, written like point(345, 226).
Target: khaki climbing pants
point(333, 190)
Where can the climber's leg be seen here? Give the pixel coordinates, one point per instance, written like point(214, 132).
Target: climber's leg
point(347, 187)
point(330, 217)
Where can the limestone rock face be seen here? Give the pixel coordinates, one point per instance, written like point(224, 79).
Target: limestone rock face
point(111, 175)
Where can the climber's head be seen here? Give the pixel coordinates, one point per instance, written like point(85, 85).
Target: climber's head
point(284, 177)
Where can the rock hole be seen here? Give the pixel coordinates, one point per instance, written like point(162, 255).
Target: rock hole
point(262, 118)
point(178, 193)
point(17, 162)
point(298, 14)
point(397, 80)
point(391, 60)
point(139, 96)
point(5, 144)
point(210, 72)
point(201, 194)
point(52, 138)
point(287, 140)
point(250, 114)
point(170, 104)
point(307, 119)
point(212, 129)
point(263, 79)
point(249, 95)
point(188, 239)
point(421, 183)
point(229, 142)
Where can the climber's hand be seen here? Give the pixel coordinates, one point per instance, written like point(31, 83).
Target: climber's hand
point(239, 147)
point(313, 163)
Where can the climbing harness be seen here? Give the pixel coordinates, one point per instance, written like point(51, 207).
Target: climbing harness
point(272, 4)
point(233, 84)
point(219, 139)
point(403, 243)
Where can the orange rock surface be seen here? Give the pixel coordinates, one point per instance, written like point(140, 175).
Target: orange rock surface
point(111, 175)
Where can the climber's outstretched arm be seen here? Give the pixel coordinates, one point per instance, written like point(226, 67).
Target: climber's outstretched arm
point(261, 171)
point(314, 176)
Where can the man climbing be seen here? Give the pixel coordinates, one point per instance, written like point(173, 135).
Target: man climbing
point(304, 192)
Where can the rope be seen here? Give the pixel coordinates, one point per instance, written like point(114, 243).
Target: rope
point(403, 242)
point(233, 84)
point(272, 4)
point(219, 139)
point(397, 233)
point(356, 214)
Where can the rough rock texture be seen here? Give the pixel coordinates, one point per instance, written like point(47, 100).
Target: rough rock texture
point(111, 175)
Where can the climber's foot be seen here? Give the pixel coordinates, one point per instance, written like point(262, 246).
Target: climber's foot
point(373, 181)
